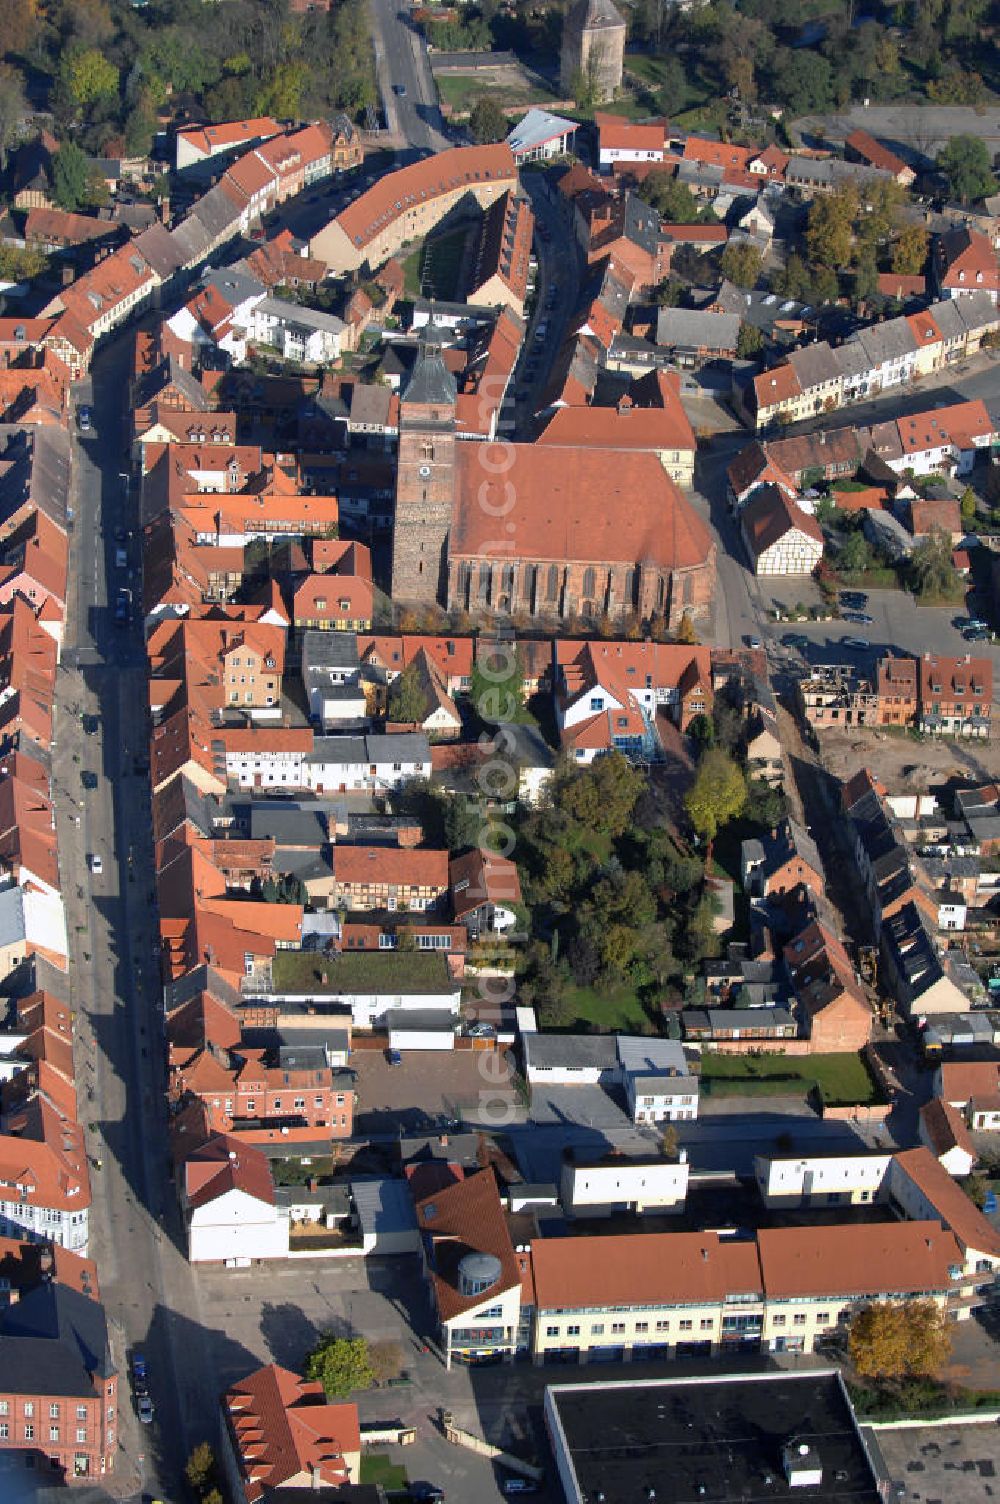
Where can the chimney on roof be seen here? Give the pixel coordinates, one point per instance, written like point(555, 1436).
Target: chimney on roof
point(317, 1479)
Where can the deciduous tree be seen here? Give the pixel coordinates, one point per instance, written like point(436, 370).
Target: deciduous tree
point(407, 698)
point(741, 262)
point(890, 1340)
point(341, 1365)
point(932, 572)
point(685, 630)
point(718, 794)
point(13, 108)
point(965, 162)
point(200, 1467)
point(386, 1359)
point(89, 76)
point(603, 796)
point(487, 121)
point(855, 555)
point(802, 81)
point(829, 233)
point(672, 200)
point(909, 251)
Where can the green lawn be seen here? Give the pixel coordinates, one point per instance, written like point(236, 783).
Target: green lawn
point(376, 1467)
point(308, 973)
point(617, 1009)
point(695, 97)
point(461, 92)
point(843, 1078)
point(435, 266)
point(879, 577)
point(955, 597)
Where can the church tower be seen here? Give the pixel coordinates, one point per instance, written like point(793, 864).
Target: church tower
point(425, 482)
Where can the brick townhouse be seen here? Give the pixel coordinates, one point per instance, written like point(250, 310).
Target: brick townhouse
point(246, 1089)
point(58, 1383)
point(956, 695)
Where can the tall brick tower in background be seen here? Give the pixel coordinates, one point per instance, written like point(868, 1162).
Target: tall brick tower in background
point(425, 481)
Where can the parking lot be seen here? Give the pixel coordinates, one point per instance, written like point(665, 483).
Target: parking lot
point(432, 1089)
point(957, 1464)
point(276, 1312)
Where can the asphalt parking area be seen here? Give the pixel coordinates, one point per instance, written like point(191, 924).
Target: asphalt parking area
point(944, 1463)
point(433, 1089)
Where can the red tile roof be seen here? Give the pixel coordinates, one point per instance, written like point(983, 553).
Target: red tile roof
point(963, 1079)
point(636, 1269)
point(950, 1202)
point(399, 865)
point(480, 877)
point(597, 505)
point(226, 1164)
point(770, 515)
point(284, 1428)
point(467, 1218)
point(441, 173)
point(229, 133)
point(780, 384)
point(664, 425)
point(717, 153)
point(875, 153)
point(945, 1127)
point(877, 1259)
point(617, 134)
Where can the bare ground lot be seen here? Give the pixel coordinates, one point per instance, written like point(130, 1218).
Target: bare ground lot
point(909, 763)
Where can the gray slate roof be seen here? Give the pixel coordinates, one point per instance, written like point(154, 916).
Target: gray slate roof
point(324, 650)
point(344, 750)
point(575, 1051)
point(694, 329)
point(295, 316)
point(383, 1206)
point(54, 1340)
point(431, 383)
point(404, 746)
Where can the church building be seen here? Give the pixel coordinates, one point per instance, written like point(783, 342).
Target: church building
point(538, 531)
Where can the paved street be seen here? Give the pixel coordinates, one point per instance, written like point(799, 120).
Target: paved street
point(917, 130)
point(979, 376)
point(409, 93)
point(557, 296)
point(145, 1281)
